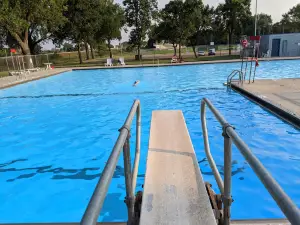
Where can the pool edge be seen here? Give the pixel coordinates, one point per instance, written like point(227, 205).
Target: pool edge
point(269, 106)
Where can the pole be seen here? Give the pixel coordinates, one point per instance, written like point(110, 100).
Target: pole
point(128, 181)
point(255, 26)
point(227, 177)
point(6, 59)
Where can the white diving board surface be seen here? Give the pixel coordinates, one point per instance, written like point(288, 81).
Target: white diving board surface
point(174, 190)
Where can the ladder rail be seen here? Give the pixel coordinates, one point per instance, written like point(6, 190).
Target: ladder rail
point(94, 207)
point(233, 74)
point(284, 202)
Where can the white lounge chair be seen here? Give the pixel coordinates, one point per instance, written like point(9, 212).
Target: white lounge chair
point(268, 54)
point(34, 69)
point(121, 62)
point(174, 59)
point(108, 62)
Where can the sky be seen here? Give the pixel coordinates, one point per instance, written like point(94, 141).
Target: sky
point(275, 8)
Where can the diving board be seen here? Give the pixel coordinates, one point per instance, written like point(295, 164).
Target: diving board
point(174, 190)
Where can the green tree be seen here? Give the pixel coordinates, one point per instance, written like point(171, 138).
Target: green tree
point(179, 18)
point(290, 21)
point(139, 14)
point(264, 24)
point(82, 22)
point(202, 22)
point(232, 17)
point(27, 20)
point(67, 47)
point(112, 23)
point(164, 32)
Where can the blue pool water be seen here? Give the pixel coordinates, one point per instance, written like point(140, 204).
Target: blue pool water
point(57, 133)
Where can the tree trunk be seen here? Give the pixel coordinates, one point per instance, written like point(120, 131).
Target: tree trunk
point(194, 50)
point(139, 52)
point(179, 50)
point(92, 51)
point(110, 53)
point(175, 49)
point(86, 50)
point(230, 41)
point(79, 53)
point(24, 47)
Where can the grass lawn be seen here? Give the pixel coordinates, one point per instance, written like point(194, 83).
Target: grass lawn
point(100, 62)
point(3, 74)
point(72, 61)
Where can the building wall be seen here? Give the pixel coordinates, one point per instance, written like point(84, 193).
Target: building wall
point(264, 44)
point(290, 41)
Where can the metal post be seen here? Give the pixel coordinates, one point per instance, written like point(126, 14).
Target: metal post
point(255, 26)
point(127, 168)
point(6, 60)
point(246, 67)
point(250, 70)
point(137, 149)
point(207, 149)
point(12, 58)
point(227, 176)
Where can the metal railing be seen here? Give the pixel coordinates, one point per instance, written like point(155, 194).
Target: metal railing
point(233, 74)
point(94, 207)
point(286, 205)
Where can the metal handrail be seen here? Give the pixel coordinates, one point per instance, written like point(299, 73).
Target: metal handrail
point(233, 74)
point(94, 207)
point(286, 205)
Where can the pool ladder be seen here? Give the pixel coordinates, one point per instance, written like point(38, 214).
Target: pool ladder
point(94, 207)
point(233, 74)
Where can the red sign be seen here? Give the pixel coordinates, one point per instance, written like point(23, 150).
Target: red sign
point(244, 43)
point(254, 38)
point(12, 50)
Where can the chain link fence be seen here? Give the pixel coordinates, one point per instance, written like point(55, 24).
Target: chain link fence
point(160, 54)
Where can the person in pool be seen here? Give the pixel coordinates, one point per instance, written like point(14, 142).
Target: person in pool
point(136, 83)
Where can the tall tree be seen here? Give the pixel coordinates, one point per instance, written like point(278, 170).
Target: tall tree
point(82, 21)
point(23, 18)
point(202, 22)
point(180, 18)
point(139, 14)
point(232, 16)
point(264, 24)
point(290, 21)
point(164, 32)
point(112, 23)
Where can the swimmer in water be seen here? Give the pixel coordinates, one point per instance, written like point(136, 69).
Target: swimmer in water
point(136, 83)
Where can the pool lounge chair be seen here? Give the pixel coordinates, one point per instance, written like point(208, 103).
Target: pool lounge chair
point(268, 54)
point(121, 62)
point(174, 59)
point(34, 69)
point(108, 62)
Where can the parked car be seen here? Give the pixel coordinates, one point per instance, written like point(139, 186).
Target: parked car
point(212, 51)
point(201, 53)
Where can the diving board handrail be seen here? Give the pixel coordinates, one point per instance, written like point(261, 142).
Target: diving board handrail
point(286, 205)
point(94, 207)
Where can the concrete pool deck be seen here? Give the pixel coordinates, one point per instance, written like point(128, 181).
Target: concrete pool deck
point(10, 81)
point(281, 96)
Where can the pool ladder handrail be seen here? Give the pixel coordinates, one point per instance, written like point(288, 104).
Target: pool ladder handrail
point(94, 207)
point(286, 205)
point(233, 74)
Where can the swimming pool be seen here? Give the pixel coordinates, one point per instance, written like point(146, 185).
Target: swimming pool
point(57, 133)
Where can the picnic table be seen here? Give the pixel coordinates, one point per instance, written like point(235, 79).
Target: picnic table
point(48, 66)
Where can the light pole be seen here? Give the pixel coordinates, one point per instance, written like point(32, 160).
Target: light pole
point(255, 26)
